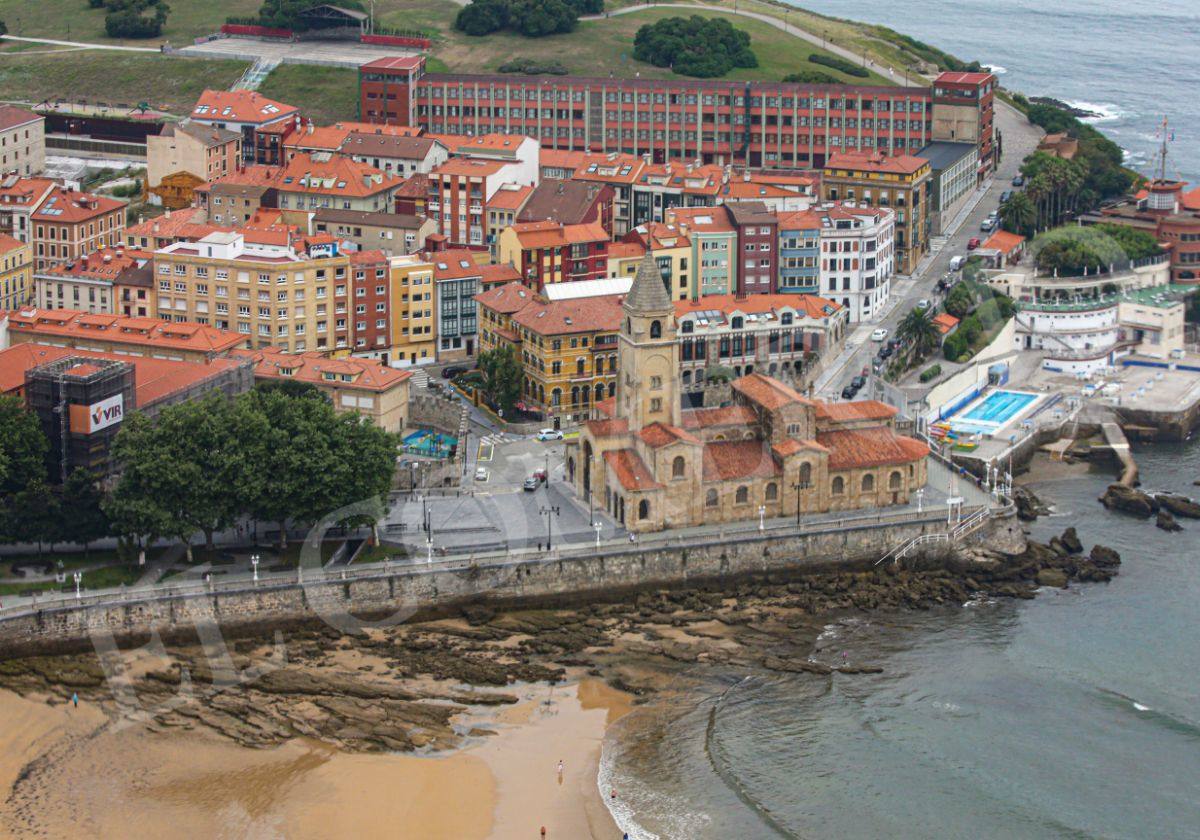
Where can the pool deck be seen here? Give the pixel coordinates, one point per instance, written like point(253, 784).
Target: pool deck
point(961, 422)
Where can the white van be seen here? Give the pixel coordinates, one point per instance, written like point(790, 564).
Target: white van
point(957, 263)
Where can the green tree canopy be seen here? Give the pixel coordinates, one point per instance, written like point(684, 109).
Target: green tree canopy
point(532, 18)
point(23, 447)
point(500, 377)
point(1018, 215)
point(918, 330)
point(694, 46)
point(1074, 249)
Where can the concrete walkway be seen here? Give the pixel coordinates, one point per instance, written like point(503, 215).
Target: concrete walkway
point(82, 44)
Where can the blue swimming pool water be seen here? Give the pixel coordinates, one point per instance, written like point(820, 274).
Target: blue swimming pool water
point(999, 407)
point(429, 443)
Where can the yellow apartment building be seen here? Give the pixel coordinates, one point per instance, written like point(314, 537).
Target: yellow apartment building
point(413, 336)
point(16, 272)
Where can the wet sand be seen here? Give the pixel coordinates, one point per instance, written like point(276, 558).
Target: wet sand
point(72, 773)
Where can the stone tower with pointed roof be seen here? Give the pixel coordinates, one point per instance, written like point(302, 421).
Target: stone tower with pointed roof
point(648, 391)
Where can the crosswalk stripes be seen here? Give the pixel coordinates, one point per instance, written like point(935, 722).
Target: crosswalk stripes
point(420, 378)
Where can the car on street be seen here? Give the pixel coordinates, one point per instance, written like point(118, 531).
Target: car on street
point(1018, 181)
point(453, 371)
point(885, 352)
point(973, 243)
point(532, 483)
point(1005, 196)
point(481, 474)
point(540, 474)
point(848, 392)
point(857, 382)
point(923, 304)
point(549, 434)
point(879, 334)
point(987, 225)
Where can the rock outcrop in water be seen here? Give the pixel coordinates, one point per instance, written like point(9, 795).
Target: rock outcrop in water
point(1167, 522)
point(1178, 505)
point(1127, 499)
point(1029, 506)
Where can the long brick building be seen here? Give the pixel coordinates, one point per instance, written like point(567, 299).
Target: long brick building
point(758, 124)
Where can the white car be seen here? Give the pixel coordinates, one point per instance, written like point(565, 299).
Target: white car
point(481, 474)
point(923, 304)
point(549, 434)
point(879, 334)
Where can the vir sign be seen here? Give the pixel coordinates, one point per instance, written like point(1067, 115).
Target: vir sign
point(87, 419)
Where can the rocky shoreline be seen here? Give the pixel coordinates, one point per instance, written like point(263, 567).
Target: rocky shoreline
point(417, 687)
point(1078, 113)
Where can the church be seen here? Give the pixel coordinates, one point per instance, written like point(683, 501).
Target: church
point(653, 465)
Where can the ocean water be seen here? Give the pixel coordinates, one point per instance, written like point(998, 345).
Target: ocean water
point(1073, 715)
point(1132, 62)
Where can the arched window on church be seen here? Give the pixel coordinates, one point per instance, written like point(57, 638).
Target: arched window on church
point(894, 480)
point(643, 509)
point(743, 496)
point(839, 486)
point(805, 475)
point(710, 498)
point(678, 467)
point(868, 483)
point(656, 329)
point(772, 492)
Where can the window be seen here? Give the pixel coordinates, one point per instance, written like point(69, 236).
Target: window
point(643, 509)
point(868, 483)
point(678, 467)
point(656, 329)
point(894, 481)
point(839, 486)
point(656, 404)
point(742, 496)
point(710, 499)
point(772, 492)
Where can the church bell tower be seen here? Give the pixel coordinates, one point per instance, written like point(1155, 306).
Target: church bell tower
point(647, 355)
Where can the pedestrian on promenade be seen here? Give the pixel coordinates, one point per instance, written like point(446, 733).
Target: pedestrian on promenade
point(560, 767)
point(75, 699)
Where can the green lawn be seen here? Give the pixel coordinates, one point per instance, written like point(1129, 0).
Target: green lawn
point(75, 20)
point(326, 94)
point(114, 78)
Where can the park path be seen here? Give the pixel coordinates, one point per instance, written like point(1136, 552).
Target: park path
point(86, 46)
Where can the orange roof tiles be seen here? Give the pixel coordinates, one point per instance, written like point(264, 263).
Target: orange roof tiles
point(729, 415)
point(1003, 241)
point(8, 243)
point(368, 374)
point(72, 206)
point(104, 264)
point(742, 190)
point(726, 460)
point(11, 116)
point(395, 62)
point(169, 225)
point(844, 412)
point(876, 162)
point(960, 77)
point(849, 449)
point(630, 470)
point(239, 106)
point(460, 262)
point(658, 235)
point(790, 446)
point(606, 407)
point(601, 313)
point(468, 168)
point(506, 299)
point(625, 250)
point(338, 176)
point(562, 159)
point(493, 275)
point(610, 168)
point(554, 235)
point(509, 197)
point(608, 428)
point(812, 306)
point(703, 219)
point(945, 322)
point(148, 332)
point(767, 392)
point(661, 434)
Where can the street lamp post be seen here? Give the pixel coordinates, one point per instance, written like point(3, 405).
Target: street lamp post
point(762, 512)
point(597, 526)
point(254, 558)
point(549, 512)
point(920, 498)
point(798, 487)
point(78, 576)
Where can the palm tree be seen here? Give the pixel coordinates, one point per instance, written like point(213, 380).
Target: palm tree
point(919, 332)
point(1018, 215)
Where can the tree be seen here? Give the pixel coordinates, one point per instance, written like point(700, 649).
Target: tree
point(125, 18)
point(537, 18)
point(34, 515)
point(919, 331)
point(289, 14)
point(482, 17)
point(3, 29)
point(694, 46)
point(82, 503)
point(23, 447)
point(501, 374)
point(1018, 215)
point(959, 301)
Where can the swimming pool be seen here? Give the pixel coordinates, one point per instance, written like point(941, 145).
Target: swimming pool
point(434, 444)
point(993, 412)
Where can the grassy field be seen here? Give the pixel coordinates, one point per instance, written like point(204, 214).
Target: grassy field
point(75, 20)
point(326, 94)
point(115, 78)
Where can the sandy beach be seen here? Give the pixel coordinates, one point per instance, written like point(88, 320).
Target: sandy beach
point(70, 772)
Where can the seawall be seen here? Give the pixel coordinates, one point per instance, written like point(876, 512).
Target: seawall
point(441, 589)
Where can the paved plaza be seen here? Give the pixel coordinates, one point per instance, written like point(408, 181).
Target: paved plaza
point(330, 53)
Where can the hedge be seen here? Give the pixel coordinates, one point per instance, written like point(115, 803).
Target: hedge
point(930, 372)
point(847, 67)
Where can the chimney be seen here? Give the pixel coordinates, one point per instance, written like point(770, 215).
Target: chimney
point(746, 176)
point(167, 215)
point(646, 158)
point(107, 258)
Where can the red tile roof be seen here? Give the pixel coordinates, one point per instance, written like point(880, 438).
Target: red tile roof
point(790, 446)
point(625, 250)
point(661, 434)
point(608, 428)
point(368, 374)
point(630, 470)
point(811, 306)
point(1003, 241)
point(509, 197)
point(554, 235)
point(11, 116)
point(870, 448)
point(945, 322)
point(456, 263)
point(606, 407)
point(146, 332)
point(174, 224)
point(958, 77)
point(338, 176)
point(602, 313)
point(72, 206)
point(395, 62)
point(844, 412)
point(767, 392)
point(239, 106)
point(876, 162)
point(727, 460)
point(506, 299)
point(105, 264)
point(493, 275)
point(702, 219)
point(730, 415)
point(8, 243)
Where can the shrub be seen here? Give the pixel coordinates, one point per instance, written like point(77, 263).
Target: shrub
point(694, 46)
point(533, 67)
point(482, 16)
point(847, 67)
point(954, 346)
point(930, 372)
point(811, 77)
point(130, 23)
point(960, 300)
point(533, 18)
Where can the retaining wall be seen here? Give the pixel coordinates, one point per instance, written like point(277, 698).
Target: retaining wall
point(606, 574)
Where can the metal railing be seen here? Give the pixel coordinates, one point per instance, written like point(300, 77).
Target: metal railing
point(463, 560)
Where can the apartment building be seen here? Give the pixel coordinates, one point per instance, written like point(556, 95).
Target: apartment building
point(311, 182)
point(19, 198)
point(122, 336)
point(858, 257)
point(571, 202)
point(392, 233)
point(714, 248)
point(899, 182)
point(502, 210)
point(786, 337)
point(371, 299)
point(186, 225)
point(105, 281)
point(755, 124)
point(549, 252)
point(963, 112)
point(618, 171)
point(204, 151)
point(568, 348)
point(68, 224)
point(361, 386)
point(393, 152)
point(671, 248)
point(292, 294)
point(457, 279)
point(459, 190)
point(244, 112)
point(384, 89)
point(16, 272)
point(757, 246)
point(22, 141)
point(800, 252)
point(413, 334)
point(233, 200)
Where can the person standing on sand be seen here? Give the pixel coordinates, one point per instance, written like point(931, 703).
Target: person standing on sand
point(75, 699)
point(560, 767)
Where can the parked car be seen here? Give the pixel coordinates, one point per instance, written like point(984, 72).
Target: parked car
point(481, 474)
point(987, 225)
point(1018, 181)
point(893, 343)
point(859, 381)
point(848, 392)
point(885, 352)
point(973, 243)
point(540, 475)
point(957, 263)
point(923, 304)
point(879, 334)
point(531, 484)
point(1005, 196)
point(453, 371)
point(549, 434)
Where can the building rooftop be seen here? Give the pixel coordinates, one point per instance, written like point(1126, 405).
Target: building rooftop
point(147, 332)
point(507, 298)
point(11, 116)
point(719, 308)
point(334, 176)
point(549, 234)
point(768, 392)
point(569, 202)
point(858, 448)
point(509, 197)
point(590, 288)
point(736, 459)
point(457, 263)
point(209, 135)
point(402, 221)
point(564, 317)
point(942, 154)
point(387, 145)
point(8, 243)
point(395, 62)
point(875, 162)
point(239, 106)
point(72, 206)
point(318, 369)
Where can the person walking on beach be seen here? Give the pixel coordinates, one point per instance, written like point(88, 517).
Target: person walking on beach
point(75, 699)
point(560, 767)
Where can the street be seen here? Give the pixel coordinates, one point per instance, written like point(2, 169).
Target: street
point(1020, 139)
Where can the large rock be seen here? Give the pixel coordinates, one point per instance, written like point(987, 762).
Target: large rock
point(1104, 557)
point(1070, 541)
point(1120, 497)
point(1167, 522)
point(1052, 577)
point(1179, 505)
point(1029, 506)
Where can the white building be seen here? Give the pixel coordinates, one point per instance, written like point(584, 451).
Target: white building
point(858, 257)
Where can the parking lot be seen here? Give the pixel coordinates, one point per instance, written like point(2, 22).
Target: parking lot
point(331, 53)
point(496, 511)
